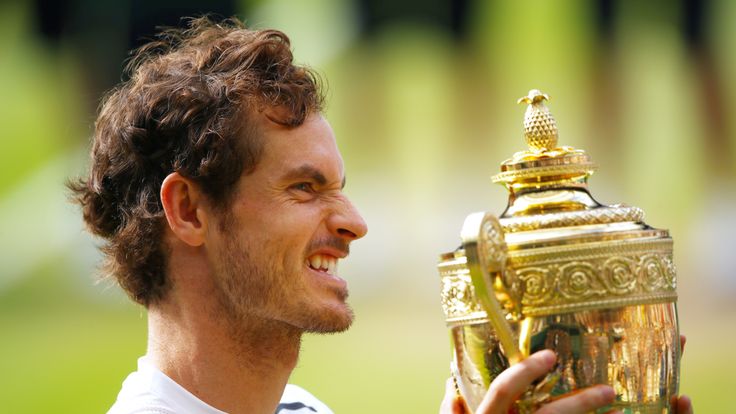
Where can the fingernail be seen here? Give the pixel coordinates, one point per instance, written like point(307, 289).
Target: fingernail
point(607, 393)
point(548, 356)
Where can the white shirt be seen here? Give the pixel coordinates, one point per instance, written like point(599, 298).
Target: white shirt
point(150, 391)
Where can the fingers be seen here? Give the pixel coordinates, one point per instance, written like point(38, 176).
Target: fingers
point(509, 385)
point(452, 403)
point(446, 405)
point(581, 402)
point(683, 340)
point(459, 406)
point(683, 405)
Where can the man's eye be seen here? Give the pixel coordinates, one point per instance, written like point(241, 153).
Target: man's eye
point(306, 187)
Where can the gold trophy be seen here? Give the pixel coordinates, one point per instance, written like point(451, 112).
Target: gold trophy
point(559, 270)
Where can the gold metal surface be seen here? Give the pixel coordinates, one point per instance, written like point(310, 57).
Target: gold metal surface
point(635, 349)
point(559, 270)
point(603, 215)
point(540, 128)
point(484, 245)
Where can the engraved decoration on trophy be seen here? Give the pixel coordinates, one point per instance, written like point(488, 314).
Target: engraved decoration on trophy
point(559, 270)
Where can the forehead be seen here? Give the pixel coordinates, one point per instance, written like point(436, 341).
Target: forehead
point(309, 145)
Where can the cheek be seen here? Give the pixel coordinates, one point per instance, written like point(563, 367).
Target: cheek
point(285, 230)
point(300, 219)
point(299, 233)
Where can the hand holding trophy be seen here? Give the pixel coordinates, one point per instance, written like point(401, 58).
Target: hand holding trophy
point(559, 271)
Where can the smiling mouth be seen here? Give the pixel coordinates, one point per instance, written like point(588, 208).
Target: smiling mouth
point(323, 263)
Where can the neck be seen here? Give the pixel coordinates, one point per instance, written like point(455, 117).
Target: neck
point(237, 366)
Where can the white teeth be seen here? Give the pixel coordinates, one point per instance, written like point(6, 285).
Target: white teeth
point(323, 262)
point(333, 267)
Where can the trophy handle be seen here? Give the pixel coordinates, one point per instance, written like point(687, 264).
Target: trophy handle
point(485, 249)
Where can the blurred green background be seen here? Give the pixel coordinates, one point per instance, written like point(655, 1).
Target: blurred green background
point(422, 98)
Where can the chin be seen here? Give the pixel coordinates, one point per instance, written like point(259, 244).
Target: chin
point(336, 318)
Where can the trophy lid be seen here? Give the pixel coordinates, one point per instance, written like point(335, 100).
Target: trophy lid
point(544, 165)
point(548, 184)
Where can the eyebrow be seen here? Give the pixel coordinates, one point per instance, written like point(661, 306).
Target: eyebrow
point(309, 171)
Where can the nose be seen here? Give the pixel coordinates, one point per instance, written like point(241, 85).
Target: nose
point(346, 223)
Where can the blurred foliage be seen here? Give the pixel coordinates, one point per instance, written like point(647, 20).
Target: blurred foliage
point(423, 118)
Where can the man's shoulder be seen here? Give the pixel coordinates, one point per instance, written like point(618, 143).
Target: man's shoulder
point(150, 391)
point(141, 405)
point(136, 397)
point(297, 400)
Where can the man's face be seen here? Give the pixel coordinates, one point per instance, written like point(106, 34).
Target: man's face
point(275, 255)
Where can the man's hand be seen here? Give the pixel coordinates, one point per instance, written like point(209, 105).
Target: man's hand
point(682, 405)
point(511, 383)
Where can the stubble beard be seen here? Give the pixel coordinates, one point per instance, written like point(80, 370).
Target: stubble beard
point(255, 295)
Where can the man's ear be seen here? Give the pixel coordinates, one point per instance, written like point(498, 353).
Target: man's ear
point(185, 209)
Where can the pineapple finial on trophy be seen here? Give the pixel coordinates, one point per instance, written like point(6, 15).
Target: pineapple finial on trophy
point(543, 161)
point(540, 128)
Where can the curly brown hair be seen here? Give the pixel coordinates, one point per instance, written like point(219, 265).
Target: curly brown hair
point(185, 108)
